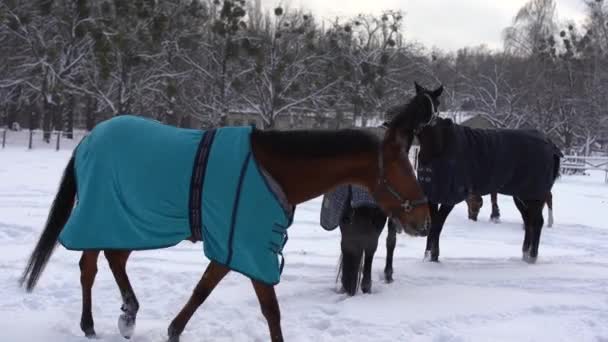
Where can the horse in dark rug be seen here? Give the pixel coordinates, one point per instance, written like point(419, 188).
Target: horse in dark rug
point(134, 184)
point(475, 203)
point(361, 222)
point(455, 161)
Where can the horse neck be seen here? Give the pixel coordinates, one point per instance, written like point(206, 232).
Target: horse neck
point(303, 177)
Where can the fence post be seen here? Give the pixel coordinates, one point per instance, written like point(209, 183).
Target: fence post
point(58, 138)
point(3, 138)
point(29, 147)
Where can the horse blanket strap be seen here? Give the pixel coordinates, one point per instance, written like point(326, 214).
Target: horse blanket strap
point(196, 185)
point(511, 162)
point(337, 203)
point(145, 185)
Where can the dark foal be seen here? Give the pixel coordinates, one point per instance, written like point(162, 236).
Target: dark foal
point(475, 203)
point(305, 165)
point(360, 230)
point(455, 160)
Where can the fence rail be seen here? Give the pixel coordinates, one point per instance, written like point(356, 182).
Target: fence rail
point(34, 139)
point(571, 165)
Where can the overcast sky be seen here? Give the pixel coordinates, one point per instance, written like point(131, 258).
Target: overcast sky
point(447, 24)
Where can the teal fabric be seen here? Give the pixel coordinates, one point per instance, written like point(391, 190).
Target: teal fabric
point(133, 182)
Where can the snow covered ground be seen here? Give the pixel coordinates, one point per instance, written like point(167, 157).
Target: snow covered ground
point(481, 290)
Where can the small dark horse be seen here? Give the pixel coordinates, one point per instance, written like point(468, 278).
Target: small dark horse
point(475, 203)
point(305, 165)
point(361, 222)
point(455, 161)
point(360, 230)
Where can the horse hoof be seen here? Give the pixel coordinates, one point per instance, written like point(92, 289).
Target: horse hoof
point(173, 333)
point(90, 334)
point(430, 257)
point(495, 220)
point(126, 325)
point(366, 287)
point(388, 277)
point(528, 258)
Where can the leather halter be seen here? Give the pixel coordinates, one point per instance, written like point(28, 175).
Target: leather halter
point(431, 121)
point(383, 184)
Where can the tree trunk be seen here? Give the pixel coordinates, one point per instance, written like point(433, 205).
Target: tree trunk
point(91, 108)
point(47, 120)
point(68, 122)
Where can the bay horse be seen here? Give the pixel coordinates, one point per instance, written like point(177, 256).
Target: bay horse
point(230, 184)
point(475, 203)
point(455, 161)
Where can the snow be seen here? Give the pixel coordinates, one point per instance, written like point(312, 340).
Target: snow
point(480, 291)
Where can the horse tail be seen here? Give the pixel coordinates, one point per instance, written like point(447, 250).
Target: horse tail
point(557, 156)
point(556, 166)
point(58, 216)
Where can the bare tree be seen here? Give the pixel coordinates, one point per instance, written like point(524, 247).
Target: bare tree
point(287, 74)
point(533, 22)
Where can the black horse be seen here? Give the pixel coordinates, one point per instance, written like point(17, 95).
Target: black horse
point(455, 161)
point(361, 222)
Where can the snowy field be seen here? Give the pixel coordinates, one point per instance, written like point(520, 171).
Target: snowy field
point(481, 290)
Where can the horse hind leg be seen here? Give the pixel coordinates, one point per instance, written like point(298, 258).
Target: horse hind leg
point(366, 282)
point(495, 215)
point(549, 200)
point(523, 209)
point(535, 213)
point(88, 270)
point(118, 263)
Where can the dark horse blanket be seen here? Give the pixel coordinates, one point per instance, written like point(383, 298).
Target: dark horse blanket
point(512, 162)
point(338, 201)
point(143, 185)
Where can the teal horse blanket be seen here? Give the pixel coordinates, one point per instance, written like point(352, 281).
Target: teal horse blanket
point(143, 185)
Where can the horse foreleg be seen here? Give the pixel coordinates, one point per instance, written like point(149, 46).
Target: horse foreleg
point(438, 217)
point(118, 263)
point(212, 276)
point(391, 242)
point(88, 270)
point(270, 309)
point(549, 201)
point(495, 215)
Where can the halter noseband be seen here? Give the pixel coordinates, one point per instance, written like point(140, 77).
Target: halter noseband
point(405, 204)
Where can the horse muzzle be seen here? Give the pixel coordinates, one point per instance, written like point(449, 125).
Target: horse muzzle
point(418, 230)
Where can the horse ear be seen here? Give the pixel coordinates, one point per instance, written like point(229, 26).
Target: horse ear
point(419, 89)
point(437, 92)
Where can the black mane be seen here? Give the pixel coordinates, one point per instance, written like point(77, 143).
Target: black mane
point(403, 116)
point(318, 143)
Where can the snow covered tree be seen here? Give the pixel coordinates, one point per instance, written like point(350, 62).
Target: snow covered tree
point(287, 67)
